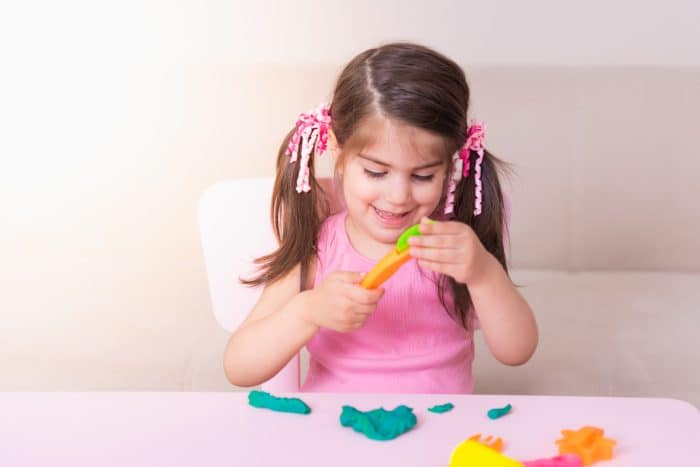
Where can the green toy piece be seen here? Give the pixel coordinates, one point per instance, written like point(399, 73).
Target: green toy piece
point(499, 412)
point(379, 424)
point(265, 400)
point(442, 408)
point(402, 242)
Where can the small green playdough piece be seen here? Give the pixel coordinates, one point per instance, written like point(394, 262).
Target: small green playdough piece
point(442, 408)
point(402, 242)
point(264, 400)
point(379, 424)
point(498, 413)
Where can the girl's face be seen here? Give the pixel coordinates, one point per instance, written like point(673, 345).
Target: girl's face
point(391, 183)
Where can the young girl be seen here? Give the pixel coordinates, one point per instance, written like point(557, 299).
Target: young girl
point(397, 126)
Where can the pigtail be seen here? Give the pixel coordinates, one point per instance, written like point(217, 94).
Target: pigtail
point(489, 226)
point(296, 220)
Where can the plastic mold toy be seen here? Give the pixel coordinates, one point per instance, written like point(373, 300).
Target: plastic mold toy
point(473, 453)
point(566, 460)
point(391, 263)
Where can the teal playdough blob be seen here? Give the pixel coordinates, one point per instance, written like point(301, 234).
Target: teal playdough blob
point(379, 424)
point(264, 400)
point(499, 412)
point(442, 408)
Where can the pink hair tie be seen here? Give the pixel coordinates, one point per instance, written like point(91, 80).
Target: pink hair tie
point(461, 163)
point(312, 132)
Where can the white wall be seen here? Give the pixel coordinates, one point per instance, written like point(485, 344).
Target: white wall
point(599, 32)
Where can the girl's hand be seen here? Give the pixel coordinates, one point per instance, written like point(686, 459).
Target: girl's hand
point(340, 303)
point(450, 248)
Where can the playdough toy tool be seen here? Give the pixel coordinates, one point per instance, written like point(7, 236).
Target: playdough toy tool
point(472, 453)
point(589, 443)
point(489, 441)
point(391, 262)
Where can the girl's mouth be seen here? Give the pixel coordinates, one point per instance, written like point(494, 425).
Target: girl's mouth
point(391, 218)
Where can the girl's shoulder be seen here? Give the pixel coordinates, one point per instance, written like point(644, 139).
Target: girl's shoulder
point(331, 246)
point(334, 220)
point(331, 231)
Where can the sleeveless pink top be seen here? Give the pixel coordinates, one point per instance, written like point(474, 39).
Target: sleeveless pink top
point(408, 345)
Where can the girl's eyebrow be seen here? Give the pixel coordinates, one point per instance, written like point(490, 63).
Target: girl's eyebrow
point(377, 161)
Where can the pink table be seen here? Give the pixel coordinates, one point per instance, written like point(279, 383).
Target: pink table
point(220, 429)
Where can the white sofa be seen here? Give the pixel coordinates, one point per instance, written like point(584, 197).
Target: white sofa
point(605, 238)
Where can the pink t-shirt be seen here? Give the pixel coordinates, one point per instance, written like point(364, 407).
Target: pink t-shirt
point(408, 345)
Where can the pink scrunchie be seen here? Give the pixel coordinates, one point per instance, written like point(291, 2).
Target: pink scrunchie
point(474, 142)
point(312, 130)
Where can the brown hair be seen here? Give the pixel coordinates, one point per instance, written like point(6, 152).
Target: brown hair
point(414, 85)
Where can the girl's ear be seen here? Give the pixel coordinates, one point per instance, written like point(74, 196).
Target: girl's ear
point(332, 143)
point(334, 148)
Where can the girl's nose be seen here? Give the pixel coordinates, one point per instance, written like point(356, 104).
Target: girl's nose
point(399, 192)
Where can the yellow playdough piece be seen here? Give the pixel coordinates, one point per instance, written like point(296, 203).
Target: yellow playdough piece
point(474, 454)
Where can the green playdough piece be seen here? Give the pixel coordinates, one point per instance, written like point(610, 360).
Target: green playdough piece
point(442, 408)
point(402, 242)
point(498, 413)
point(379, 424)
point(264, 400)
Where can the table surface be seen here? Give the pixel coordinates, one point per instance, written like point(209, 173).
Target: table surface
point(221, 429)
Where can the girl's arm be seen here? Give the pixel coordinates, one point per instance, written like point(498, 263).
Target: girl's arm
point(506, 319)
point(284, 320)
point(274, 331)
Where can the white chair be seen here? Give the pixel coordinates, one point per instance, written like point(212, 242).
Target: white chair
point(234, 223)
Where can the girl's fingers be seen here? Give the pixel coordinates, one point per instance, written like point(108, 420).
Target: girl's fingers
point(428, 226)
point(442, 268)
point(362, 311)
point(438, 255)
point(363, 296)
point(350, 276)
point(437, 241)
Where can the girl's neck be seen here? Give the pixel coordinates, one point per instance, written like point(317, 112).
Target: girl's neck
point(363, 244)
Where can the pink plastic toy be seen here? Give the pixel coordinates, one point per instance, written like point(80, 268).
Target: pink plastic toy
point(566, 460)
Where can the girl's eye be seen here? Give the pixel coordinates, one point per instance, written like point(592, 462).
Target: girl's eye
point(418, 178)
point(374, 174)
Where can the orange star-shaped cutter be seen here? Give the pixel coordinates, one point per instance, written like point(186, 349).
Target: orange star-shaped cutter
point(588, 442)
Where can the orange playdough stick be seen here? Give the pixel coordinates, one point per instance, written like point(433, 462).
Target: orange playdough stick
point(384, 269)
